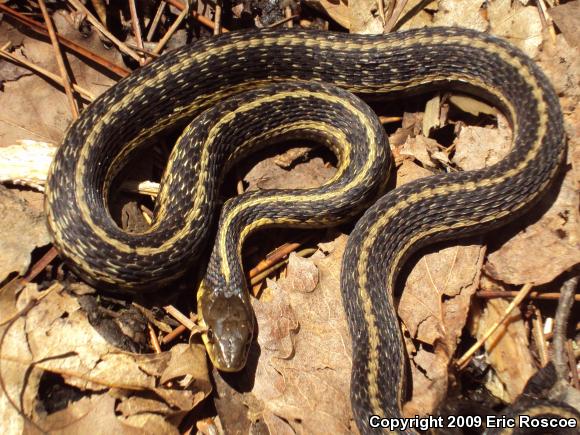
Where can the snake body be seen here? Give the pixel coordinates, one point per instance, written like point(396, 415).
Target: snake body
point(235, 82)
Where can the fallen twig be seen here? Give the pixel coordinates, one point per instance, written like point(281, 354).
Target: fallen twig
point(66, 81)
point(462, 362)
point(41, 28)
point(87, 95)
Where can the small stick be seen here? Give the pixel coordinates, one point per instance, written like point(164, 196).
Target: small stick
point(41, 28)
point(394, 17)
point(59, 60)
point(462, 362)
point(99, 26)
point(40, 265)
point(390, 119)
point(568, 293)
point(173, 334)
point(218, 17)
point(272, 259)
point(288, 14)
point(153, 337)
point(171, 30)
point(136, 28)
point(156, 20)
point(381, 5)
point(491, 294)
point(180, 317)
point(282, 21)
point(539, 338)
point(256, 281)
point(200, 18)
point(546, 19)
point(80, 90)
point(572, 364)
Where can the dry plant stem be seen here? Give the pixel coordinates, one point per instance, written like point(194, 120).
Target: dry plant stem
point(546, 19)
point(282, 21)
point(288, 15)
point(40, 265)
point(200, 18)
point(156, 20)
point(462, 362)
point(153, 337)
point(381, 5)
point(394, 17)
point(66, 81)
point(572, 364)
point(95, 22)
point(539, 338)
point(218, 17)
point(161, 44)
point(174, 334)
point(101, 10)
point(567, 292)
point(272, 259)
point(41, 28)
point(180, 317)
point(256, 281)
point(390, 119)
point(80, 90)
point(136, 29)
point(491, 294)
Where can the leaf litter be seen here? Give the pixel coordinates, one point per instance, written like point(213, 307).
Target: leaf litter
point(301, 377)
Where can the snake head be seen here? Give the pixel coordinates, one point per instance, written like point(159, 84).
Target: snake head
point(230, 329)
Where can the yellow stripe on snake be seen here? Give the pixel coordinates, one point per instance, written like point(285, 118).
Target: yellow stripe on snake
point(254, 89)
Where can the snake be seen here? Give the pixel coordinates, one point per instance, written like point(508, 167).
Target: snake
point(233, 94)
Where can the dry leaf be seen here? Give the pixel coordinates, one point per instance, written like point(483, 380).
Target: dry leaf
point(364, 18)
point(420, 148)
point(268, 175)
point(567, 18)
point(36, 108)
point(462, 13)
point(472, 105)
point(431, 117)
point(553, 239)
point(57, 336)
point(23, 230)
point(434, 307)
point(507, 350)
point(309, 390)
point(26, 163)
point(96, 412)
point(520, 25)
point(409, 171)
point(479, 147)
point(338, 10)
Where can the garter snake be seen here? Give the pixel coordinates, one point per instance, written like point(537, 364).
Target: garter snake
point(235, 85)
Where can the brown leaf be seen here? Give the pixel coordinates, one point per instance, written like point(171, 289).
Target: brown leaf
point(434, 308)
point(336, 9)
point(56, 335)
point(508, 349)
point(268, 175)
point(309, 390)
point(553, 240)
point(520, 25)
point(478, 147)
point(567, 18)
point(96, 412)
point(23, 230)
point(462, 13)
point(420, 148)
